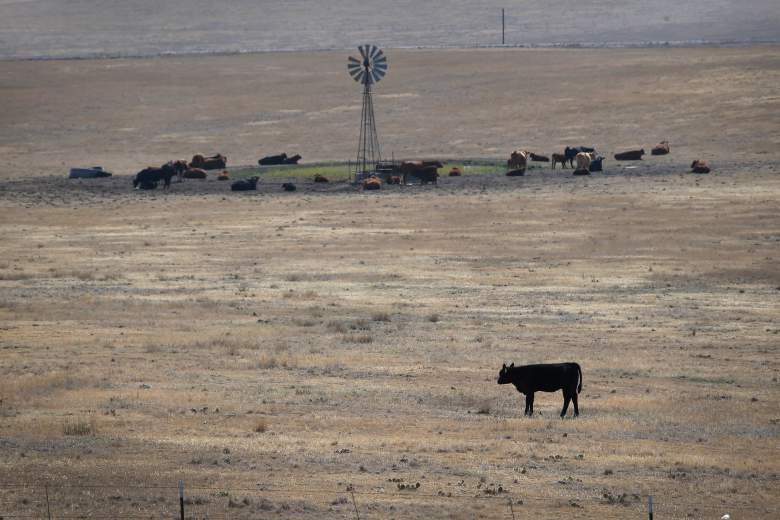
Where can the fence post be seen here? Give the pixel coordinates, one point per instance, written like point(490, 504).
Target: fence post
point(650, 506)
point(512, 509)
point(181, 499)
point(502, 26)
point(48, 509)
point(355, 504)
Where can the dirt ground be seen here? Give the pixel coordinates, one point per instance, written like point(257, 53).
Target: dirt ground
point(127, 114)
point(281, 351)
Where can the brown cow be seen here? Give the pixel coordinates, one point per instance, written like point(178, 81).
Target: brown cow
point(215, 162)
point(583, 162)
point(224, 176)
point(394, 179)
point(455, 172)
point(426, 171)
point(700, 166)
point(517, 160)
point(372, 183)
point(661, 148)
point(559, 158)
point(320, 178)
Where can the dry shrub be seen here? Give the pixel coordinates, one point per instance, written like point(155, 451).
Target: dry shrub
point(433, 318)
point(294, 277)
point(261, 425)
point(21, 389)
point(267, 362)
point(358, 338)
point(381, 316)
point(336, 326)
point(80, 426)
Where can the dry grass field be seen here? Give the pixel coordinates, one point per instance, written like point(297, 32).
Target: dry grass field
point(277, 350)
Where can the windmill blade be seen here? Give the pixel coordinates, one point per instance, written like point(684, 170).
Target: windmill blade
point(375, 51)
point(376, 76)
point(354, 68)
point(360, 76)
point(380, 73)
point(380, 65)
point(363, 51)
point(354, 61)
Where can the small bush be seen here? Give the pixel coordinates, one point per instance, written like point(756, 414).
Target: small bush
point(381, 316)
point(358, 338)
point(433, 318)
point(336, 326)
point(261, 425)
point(80, 427)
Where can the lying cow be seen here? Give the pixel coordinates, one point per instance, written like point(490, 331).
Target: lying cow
point(559, 158)
point(320, 178)
point(289, 186)
point(518, 160)
point(700, 166)
point(425, 171)
point(455, 172)
point(194, 173)
point(282, 158)
point(571, 152)
point(224, 176)
point(544, 378)
point(215, 162)
point(661, 148)
point(372, 183)
point(538, 158)
point(249, 184)
point(630, 155)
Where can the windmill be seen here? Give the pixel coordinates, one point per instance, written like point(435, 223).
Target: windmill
point(368, 70)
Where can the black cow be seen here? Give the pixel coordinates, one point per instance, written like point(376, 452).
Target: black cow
point(630, 155)
point(282, 158)
point(571, 153)
point(245, 184)
point(544, 378)
point(149, 177)
point(288, 186)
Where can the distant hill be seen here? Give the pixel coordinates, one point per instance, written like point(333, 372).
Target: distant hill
point(84, 28)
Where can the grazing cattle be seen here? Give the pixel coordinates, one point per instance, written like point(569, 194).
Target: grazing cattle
point(372, 183)
point(320, 178)
point(149, 177)
point(661, 148)
point(596, 164)
point(455, 172)
point(700, 166)
point(180, 166)
point(224, 176)
point(517, 160)
point(394, 179)
point(289, 186)
point(538, 158)
point(273, 160)
point(249, 184)
point(571, 152)
point(630, 155)
point(426, 171)
point(215, 162)
point(194, 173)
point(559, 158)
point(544, 378)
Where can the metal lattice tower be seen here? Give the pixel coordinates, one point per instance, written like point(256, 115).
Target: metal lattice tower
point(367, 71)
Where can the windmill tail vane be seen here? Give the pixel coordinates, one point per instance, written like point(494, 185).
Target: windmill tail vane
point(367, 70)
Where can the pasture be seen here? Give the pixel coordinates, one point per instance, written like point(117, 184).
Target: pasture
point(279, 351)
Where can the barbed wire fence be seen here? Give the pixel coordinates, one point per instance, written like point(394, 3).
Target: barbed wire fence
point(58, 501)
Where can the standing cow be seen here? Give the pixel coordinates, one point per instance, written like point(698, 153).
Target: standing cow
point(544, 378)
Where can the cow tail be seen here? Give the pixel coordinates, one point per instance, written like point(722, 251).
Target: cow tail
point(579, 388)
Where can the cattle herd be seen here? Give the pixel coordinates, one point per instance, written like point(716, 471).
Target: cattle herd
point(582, 159)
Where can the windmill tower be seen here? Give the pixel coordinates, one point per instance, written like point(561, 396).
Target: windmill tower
point(368, 70)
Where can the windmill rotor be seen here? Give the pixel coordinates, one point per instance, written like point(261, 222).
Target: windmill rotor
point(367, 70)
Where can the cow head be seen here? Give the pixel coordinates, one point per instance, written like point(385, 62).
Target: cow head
point(504, 376)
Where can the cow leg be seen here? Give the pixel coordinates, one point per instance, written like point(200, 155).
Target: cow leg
point(527, 404)
point(566, 399)
point(574, 401)
point(530, 404)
